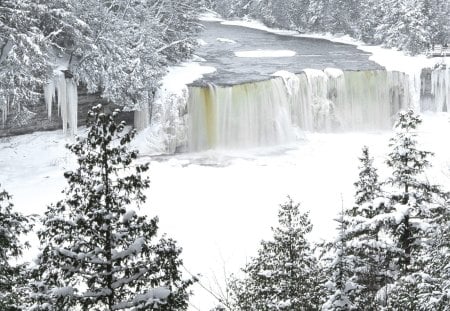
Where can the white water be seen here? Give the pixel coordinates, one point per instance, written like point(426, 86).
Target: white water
point(276, 111)
point(440, 89)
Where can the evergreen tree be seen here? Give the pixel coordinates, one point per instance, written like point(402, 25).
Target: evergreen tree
point(97, 252)
point(12, 277)
point(415, 203)
point(284, 275)
point(341, 286)
point(365, 236)
point(411, 195)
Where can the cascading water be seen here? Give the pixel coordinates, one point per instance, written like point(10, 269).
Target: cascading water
point(440, 89)
point(271, 112)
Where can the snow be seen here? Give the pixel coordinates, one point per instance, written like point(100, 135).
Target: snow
point(63, 291)
point(128, 216)
point(200, 196)
point(225, 40)
point(167, 129)
point(265, 53)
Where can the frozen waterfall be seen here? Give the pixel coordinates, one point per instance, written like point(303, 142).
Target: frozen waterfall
point(64, 91)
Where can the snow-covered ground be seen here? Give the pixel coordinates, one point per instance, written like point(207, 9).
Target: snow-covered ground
point(219, 204)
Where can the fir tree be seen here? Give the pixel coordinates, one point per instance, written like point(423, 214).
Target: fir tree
point(415, 203)
point(97, 252)
point(364, 237)
point(12, 277)
point(412, 195)
point(341, 286)
point(284, 275)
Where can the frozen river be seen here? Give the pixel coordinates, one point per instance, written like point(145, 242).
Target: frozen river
point(242, 54)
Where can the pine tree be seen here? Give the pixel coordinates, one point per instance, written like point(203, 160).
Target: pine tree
point(415, 203)
point(364, 237)
point(97, 252)
point(284, 275)
point(341, 286)
point(12, 277)
point(412, 195)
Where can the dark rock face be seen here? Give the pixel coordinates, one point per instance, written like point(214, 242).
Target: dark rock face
point(36, 119)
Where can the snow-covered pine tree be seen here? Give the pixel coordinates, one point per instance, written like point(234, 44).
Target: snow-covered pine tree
point(411, 194)
point(12, 277)
point(341, 286)
point(364, 238)
point(367, 186)
point(284, 275)
point(97, 252)
point(414, 203)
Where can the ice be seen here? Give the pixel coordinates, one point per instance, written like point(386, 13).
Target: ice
point(265, 53)
point(64, 91)
point(226, 40)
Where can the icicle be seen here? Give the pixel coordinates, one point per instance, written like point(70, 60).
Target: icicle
point(49, 96)
point(72, 105)
point(4, 109)
point(61, 89)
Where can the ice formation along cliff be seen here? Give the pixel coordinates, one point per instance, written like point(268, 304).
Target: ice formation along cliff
point(63, 91)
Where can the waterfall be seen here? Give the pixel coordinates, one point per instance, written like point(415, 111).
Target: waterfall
point(240, 116)
point(64, 91)
point(271, 112)
point(440, 89)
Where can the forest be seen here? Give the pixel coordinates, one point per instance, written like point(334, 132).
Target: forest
point(119, 47)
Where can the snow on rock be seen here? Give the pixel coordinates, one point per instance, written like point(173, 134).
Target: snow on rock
point(334, 72)
point(201, 42)
point(225, 40)
point(168, 123)
point(290, 80)
point(265, 53)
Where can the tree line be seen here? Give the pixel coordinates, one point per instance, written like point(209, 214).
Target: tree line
point(410, 25)
point(117, 47)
